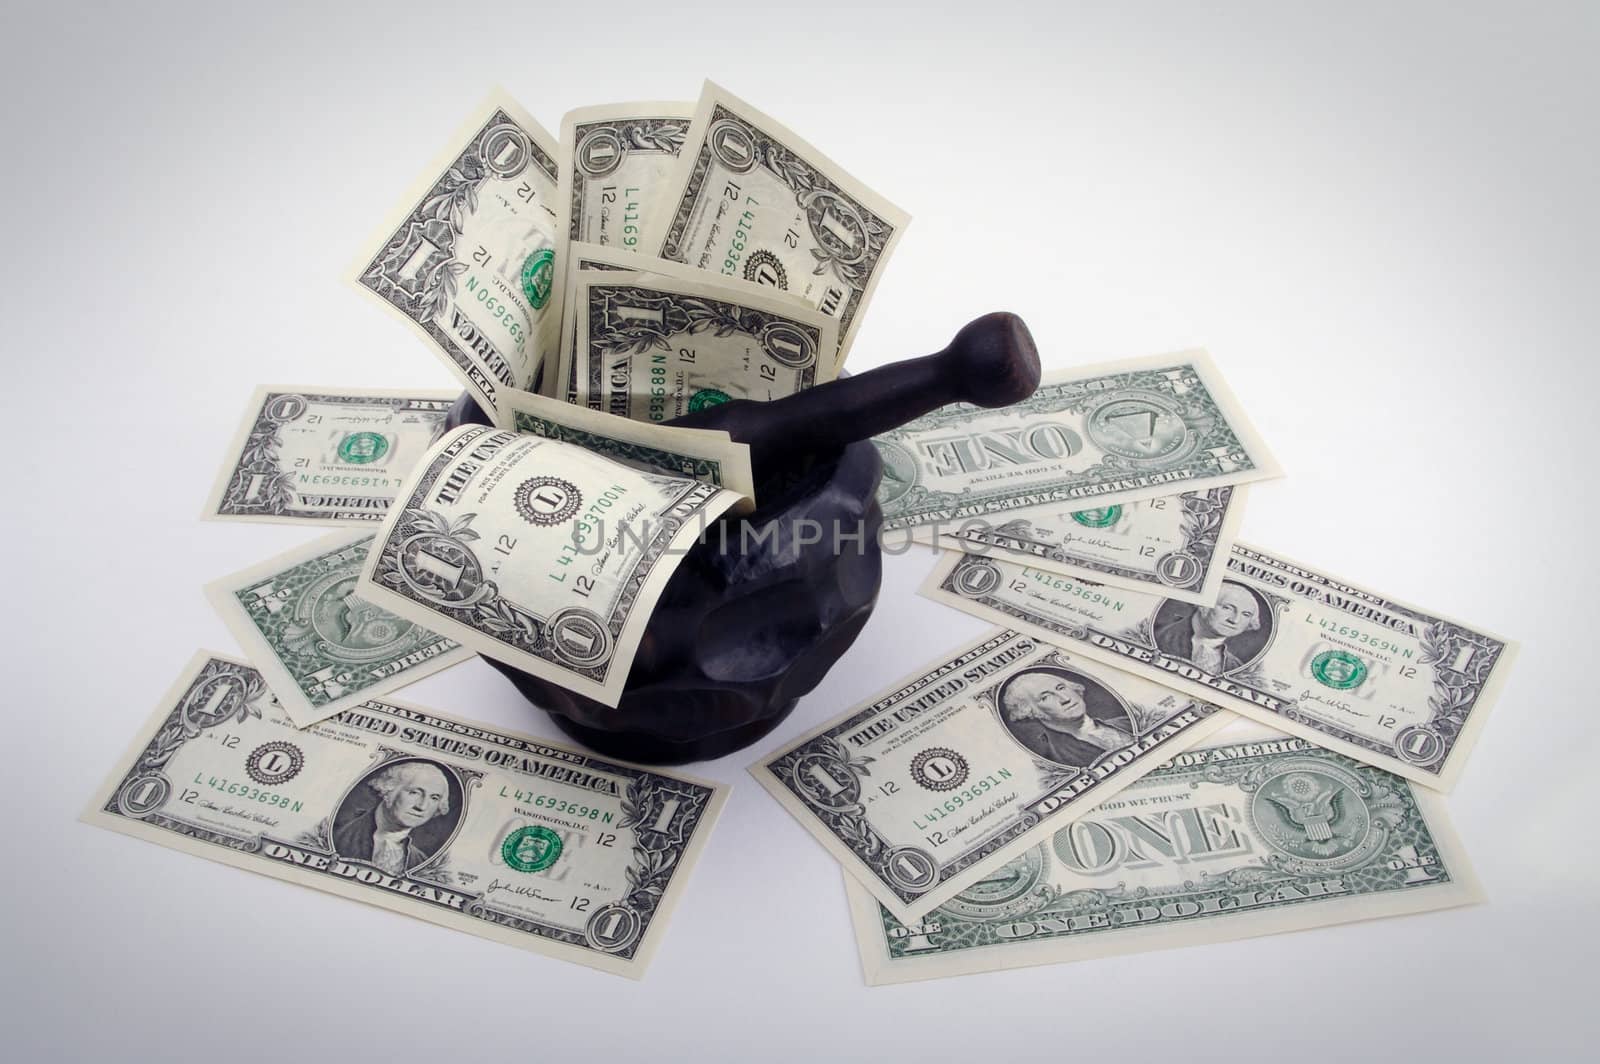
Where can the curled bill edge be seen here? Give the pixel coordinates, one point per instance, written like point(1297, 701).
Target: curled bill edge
point(731, 459)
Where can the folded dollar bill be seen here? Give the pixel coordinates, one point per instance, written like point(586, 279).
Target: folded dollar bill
point(537, 552)
point(1088, 437)
point(324, 456)
point(705, 454)
point(751, 201)
point(1175, 546)
point(485, 831)
point(1232, 839)
point(926, 788)
point(1390, 684)
point(654, 346)
point(320, 646)
point(468, 259)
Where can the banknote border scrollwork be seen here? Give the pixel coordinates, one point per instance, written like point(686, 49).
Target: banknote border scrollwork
point(807, 184)
point(610, 335)
point(655, 134)
point(179, 727)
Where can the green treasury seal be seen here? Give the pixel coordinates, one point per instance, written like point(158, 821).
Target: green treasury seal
point(538, 273)
point(531, 849)
point(359, 448)
point(707, 397)
point(1338, 669)
point(1099, 517)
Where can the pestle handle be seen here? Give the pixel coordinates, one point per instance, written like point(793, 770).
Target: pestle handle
point(991, 362)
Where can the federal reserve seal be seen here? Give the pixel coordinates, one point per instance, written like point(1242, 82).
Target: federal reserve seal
point(546, 501)
point(763, 267)
point(275, 762)
point(531, 849)
point(939, 768)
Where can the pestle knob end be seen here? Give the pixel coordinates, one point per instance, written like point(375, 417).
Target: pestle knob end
point(993, 361)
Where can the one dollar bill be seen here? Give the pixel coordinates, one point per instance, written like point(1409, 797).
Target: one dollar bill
point(324, 456)
point(485, 831)
point(1089, 437)
point(923, 790)
point(537, 552)
point(752, 202)
point(321, 646)
point(1381, 681)
point(1175, 546)
point(1228, 841)
point(469, 258)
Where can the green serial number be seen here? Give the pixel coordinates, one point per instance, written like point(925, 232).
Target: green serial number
point(247, 791)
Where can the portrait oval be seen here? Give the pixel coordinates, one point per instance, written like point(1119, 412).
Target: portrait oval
point(1063, 716)
point(1241, 618)
point(398, 815)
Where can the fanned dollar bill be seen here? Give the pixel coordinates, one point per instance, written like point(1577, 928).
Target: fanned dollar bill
point(1176, 546)
point(322, 456)
point(704, 454)
point(489, 832)
point(1390, 684)
point(925, 789)
point(582, 258)
point(616, 158)
point(469, 258)
point(321, 647)
point(750, 200)
point(1227, 841)
point(654, 346)
point(537, 553)
point(1088, 437)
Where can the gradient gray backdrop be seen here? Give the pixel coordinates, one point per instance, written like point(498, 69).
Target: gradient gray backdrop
point(1379, 219)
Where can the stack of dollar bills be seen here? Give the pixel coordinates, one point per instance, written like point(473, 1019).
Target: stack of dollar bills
point(1075, 783)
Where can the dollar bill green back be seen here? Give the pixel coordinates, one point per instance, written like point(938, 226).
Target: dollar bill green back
point(1175, 546)
point(497, 834)
point(321, 647)
point(537, 552)
point(1384, 682)
point(924, 789)
point(1223, 842)
point(1088, 437)
point(752, 202)
point(319, 456)
point(469, 258)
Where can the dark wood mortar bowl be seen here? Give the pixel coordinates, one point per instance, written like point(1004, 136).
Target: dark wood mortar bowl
point(762, 606)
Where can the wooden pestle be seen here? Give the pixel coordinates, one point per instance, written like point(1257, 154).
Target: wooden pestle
point(991, 362)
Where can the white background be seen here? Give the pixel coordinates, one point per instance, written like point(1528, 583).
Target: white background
point(1380, 220)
